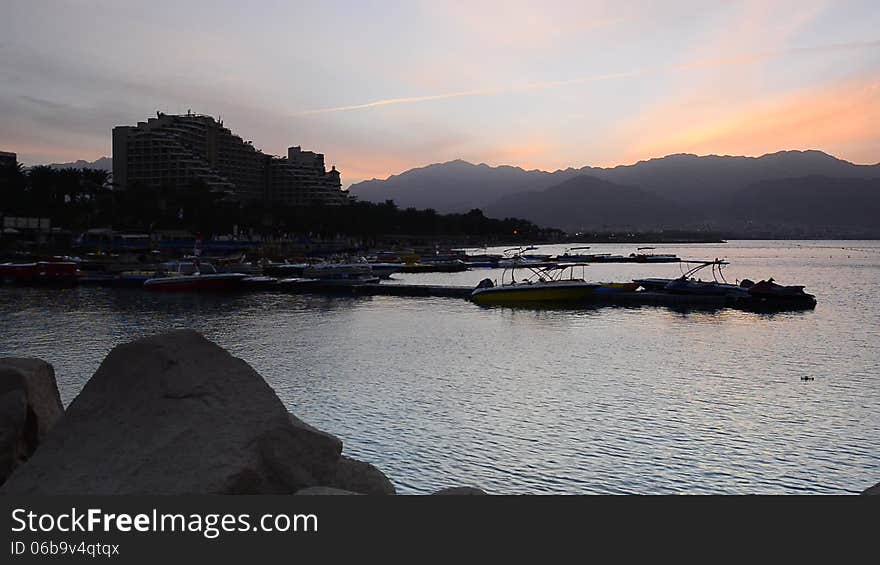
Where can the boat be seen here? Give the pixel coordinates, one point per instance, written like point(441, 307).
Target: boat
point(653, 257)
point(332, 277)
point(451, 266)
point(345, 274)
point(40, 273)
point(385, 270)
point(516, 257)
point(687, 284)
point(556, 283)
point(569, 257)
point(190, 276)
point(764, 295)
point(284, 270)
point(769, 294)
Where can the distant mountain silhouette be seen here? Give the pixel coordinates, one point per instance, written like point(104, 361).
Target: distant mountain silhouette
point(694, 180)
point(103, 163)
point(821, 203)
point(687, 190)
point(586, 202)
point(455, 186)
point(688, 179)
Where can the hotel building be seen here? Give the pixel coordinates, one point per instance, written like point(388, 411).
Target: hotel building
point(179, 150)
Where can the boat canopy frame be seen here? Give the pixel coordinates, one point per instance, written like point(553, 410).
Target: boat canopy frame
point(543, 273)
point(717, 269)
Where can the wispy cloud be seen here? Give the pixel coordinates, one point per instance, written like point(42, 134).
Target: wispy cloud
point(741, 59)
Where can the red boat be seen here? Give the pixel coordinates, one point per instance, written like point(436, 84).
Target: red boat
point(55, 273)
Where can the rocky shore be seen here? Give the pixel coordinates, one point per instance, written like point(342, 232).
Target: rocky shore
point(169, 414)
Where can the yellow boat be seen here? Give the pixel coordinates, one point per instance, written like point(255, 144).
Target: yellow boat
point(547, 284)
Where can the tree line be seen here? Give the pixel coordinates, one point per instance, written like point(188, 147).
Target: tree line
point(79, 199)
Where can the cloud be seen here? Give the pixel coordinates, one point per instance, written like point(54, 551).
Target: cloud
point(717, 62)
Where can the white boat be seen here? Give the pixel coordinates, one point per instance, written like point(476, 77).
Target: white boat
point(192, 276)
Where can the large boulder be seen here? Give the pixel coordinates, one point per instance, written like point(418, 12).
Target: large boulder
point(30, 405)
point(360, 477)
point(875, 490)
point(176, 414)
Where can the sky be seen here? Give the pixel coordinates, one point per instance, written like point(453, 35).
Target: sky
point(380, 87)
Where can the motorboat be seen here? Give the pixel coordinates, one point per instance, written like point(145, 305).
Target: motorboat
point(39, 273)
point(688, 284)
point(385, 270)
point(764, 295)
point(556, 283)
point(571, 255)
point(641, 257)
point(450, 266)
point(345, 274)
point(177, 276)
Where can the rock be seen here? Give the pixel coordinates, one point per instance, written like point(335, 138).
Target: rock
point(30, 405)
point(875, 490)
point(461, 491)
point(324, 491)
point(361, 478)
point(177, 414)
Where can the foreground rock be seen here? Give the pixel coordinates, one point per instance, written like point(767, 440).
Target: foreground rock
point(29, 407)
point(176, 414)
point(875, 490)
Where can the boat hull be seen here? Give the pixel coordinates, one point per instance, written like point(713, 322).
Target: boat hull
point(533, 294)
point(196, 283)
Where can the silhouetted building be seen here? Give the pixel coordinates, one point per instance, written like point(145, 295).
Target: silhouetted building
point(301, 179)
point(178, 150)
point(8, 159)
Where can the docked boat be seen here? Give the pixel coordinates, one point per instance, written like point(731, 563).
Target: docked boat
point(40, 273)
point(768, 294)
point(385, 270)
point(193, 276)
point(557, 284)
point(688, 284)
point(764, 295)
point(451, 266)
point(331, 277)
point(345, 274)
point(641, 257)
point(572, 255)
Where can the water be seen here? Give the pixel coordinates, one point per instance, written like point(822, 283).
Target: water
point(441, 392)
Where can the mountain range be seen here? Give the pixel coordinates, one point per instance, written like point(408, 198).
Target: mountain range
point(798, 191)
point(103, 163)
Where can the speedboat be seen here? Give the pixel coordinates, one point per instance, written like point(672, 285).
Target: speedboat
point(344, 274)
point(385, 270)
point(548, 284)
point(51, 273)
point(653, 257)
point(191, 276)
point(688, 284)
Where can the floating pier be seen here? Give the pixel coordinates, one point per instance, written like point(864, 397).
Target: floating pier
point(638, 298)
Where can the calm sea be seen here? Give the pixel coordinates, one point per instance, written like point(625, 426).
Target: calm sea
point(441, 392)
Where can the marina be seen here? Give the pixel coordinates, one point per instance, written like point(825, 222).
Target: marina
point(635, 392)
point(546, 281)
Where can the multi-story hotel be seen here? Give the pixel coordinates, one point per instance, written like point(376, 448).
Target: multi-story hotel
point(178, 150)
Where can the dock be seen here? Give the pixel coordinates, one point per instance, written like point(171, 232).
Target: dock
point(638, 298)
